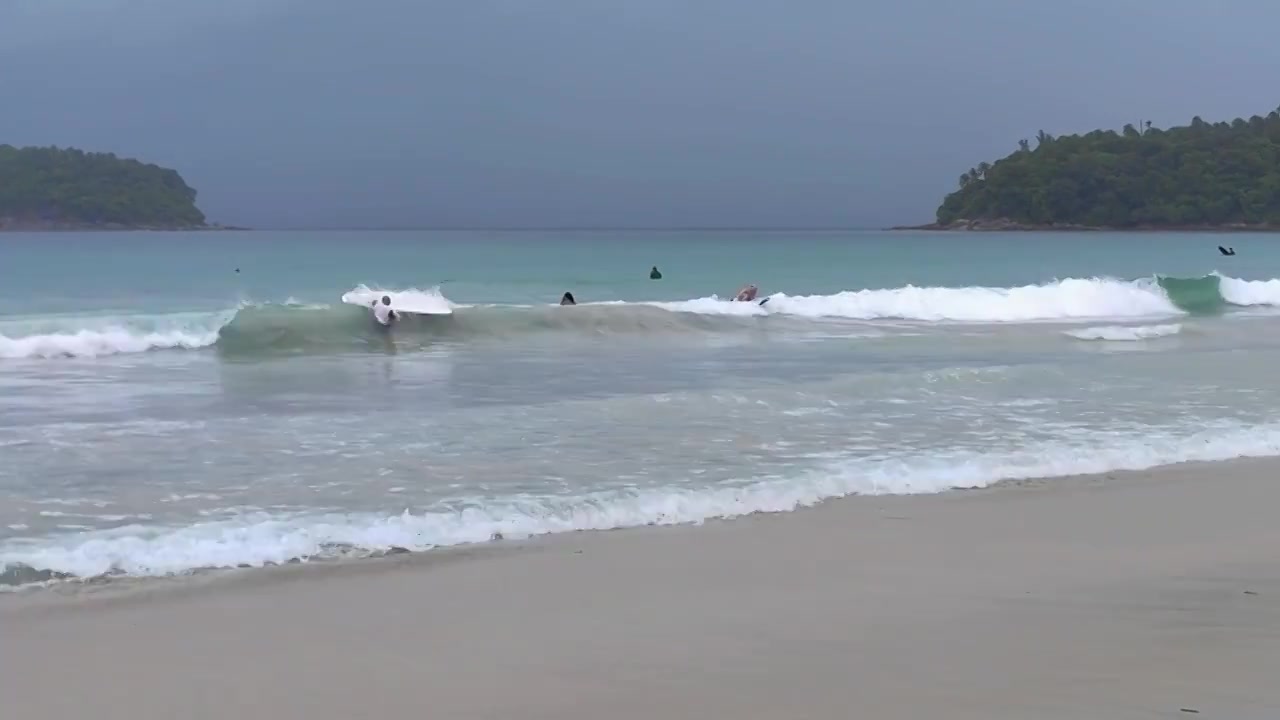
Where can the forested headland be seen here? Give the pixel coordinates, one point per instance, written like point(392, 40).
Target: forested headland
point(49, 188)
point(1211, 176)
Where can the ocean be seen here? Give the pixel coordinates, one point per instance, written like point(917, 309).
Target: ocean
point(172, 403)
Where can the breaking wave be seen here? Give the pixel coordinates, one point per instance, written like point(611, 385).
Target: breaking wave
point(259, 539)
point(430, 301)
point(1061, 300)
point(293, 327)
point(95, 336)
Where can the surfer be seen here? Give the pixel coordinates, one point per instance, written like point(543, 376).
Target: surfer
point(567, 299)
point(654, 274)
point(382, 311)
point(747, 293)
point(1226, 251)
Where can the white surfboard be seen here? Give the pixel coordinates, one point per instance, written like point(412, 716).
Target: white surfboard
point(409, 302)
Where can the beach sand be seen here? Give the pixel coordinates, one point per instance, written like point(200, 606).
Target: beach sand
point(1134, 595)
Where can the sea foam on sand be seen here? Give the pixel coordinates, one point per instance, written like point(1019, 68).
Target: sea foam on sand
point(1125, 596)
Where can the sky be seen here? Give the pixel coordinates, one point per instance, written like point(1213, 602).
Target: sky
point(608, 113)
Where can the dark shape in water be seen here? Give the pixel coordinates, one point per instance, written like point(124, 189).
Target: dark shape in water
point(567, 299)
point(1226, 251)
point(654, 274)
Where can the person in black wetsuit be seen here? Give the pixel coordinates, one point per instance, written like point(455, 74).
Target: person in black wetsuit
point(567, 299)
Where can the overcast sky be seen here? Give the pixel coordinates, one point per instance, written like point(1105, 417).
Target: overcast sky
point(311, 113)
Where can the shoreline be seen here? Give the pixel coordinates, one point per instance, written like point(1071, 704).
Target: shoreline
point(71, 585)
point(1128, 594)
point(64, 584)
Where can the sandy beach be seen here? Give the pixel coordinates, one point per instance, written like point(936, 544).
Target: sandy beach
point(1135, 595)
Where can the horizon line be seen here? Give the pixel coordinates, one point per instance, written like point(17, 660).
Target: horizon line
point(569, 228)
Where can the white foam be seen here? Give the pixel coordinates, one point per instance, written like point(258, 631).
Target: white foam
point(1073, 298)
point(1249, 292)
point(413, 300)
point(95, 336)
point(259, 538)
point(712, 305)
point(1122, 333)
point(96, 343)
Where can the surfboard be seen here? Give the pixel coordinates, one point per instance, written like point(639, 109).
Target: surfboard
point(409, 302)
point(411, 307)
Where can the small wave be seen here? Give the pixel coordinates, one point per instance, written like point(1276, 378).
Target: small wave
point(1068, 299)
point(1247, 293)
point(1061, 300)
point(1198, 295)
point(1120, 333)
point(261, 539)
point(96, 344)
point(1212, 293)
point(1065, 299)
point(55, 337)
point(266, 328)
point(295, 326)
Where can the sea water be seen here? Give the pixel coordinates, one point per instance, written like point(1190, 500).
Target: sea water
point(175, 402)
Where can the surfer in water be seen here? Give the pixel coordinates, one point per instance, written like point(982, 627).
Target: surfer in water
point(383, 313)
point(747, 293)
point(567, 299)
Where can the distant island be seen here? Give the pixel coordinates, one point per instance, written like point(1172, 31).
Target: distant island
point(67, 189)
point(1203, 176)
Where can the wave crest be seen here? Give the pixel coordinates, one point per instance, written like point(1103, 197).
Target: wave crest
point(1065, 299)
point(58, 336)
point(257, 328)
point(1247, 293)
point(415, 300)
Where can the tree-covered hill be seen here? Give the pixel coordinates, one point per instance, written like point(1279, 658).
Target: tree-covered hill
point(52, 188)
point(1202, 175)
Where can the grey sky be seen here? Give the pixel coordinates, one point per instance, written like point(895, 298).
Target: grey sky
point(599, 112)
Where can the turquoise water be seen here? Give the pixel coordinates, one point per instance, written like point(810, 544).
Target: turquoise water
point(196, 271)
point(161, 412)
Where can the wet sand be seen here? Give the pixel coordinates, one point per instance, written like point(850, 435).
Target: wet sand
point(1134, 595)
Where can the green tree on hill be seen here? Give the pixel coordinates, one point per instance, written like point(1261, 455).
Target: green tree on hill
point(76, 187)
point(1201, 174)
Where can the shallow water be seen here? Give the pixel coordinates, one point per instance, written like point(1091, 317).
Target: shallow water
point(161, 412)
